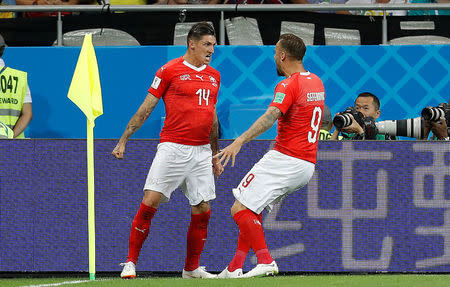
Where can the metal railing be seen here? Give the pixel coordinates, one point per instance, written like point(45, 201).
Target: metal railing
point(222, 8)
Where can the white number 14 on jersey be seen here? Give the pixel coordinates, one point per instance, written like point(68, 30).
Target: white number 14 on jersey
point(203, 95)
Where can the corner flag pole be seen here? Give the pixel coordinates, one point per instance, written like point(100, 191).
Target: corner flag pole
point(85, 92)
point(91, 198)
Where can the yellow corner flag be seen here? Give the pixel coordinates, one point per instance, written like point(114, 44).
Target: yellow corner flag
point(85, 92)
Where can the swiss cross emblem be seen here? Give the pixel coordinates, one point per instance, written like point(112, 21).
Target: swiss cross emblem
point(213, 81)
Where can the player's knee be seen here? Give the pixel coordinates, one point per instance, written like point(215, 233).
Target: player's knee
point(202, 207)
point(151, 202)
point(232, 211)
point(237, 206)
point(152, 198)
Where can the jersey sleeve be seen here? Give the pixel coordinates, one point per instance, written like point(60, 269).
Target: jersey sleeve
point(218, 87)
point(160, 82)
point(283, 98)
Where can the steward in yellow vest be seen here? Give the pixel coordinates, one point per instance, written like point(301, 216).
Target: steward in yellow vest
point(14, 113)
point(13, 88)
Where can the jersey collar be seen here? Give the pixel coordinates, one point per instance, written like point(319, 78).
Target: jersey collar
point(198, 69)
point(301, 74)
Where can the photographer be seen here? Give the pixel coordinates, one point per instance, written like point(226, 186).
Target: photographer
point(369, 106)
point(436, 122)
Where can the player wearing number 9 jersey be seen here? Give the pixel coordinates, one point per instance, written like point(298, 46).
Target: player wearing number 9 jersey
point(297, 105)
point(189, 139)
point(300, 98)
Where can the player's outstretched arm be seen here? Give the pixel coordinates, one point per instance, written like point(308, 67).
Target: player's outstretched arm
point(135, 123)
point(214, 141)
point(262, 124)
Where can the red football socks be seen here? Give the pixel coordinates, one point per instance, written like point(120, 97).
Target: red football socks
point(139, 231)
point(241, 253)
point(196, 238)
point(250, 228)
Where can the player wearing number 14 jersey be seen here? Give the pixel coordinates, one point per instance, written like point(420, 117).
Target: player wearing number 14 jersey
point(297, 105)
point(190, 95)
point(189, 139)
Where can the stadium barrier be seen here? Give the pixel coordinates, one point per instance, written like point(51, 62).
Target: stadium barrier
point(405, 78)
point(371, 206)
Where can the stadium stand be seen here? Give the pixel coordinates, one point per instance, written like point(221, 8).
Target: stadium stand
point(420, 40)
point(100, 37)
point(243, 31)
point(302, 30)
point(417, 25)
point(343, 37)
point(181, 32)
point(41, 31)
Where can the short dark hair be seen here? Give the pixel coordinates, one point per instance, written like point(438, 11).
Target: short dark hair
point(293, 46)
point(199, 30)
point(370, 95)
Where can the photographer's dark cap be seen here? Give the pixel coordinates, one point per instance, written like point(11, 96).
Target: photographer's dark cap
point(326, 115)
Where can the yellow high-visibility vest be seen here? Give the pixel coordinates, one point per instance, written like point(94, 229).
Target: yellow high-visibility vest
point(324, 135)
point(13, 88)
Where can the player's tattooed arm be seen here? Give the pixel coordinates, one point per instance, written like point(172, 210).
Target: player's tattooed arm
point(141, 115)
point(214, 141)
point(135, 123)
point(262, 124)
point(214, 135)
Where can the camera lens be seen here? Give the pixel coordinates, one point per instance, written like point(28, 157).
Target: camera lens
point(432, 113)
point(427, 113)
point(342, 121)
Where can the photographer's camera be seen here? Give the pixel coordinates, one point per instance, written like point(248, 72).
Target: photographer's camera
point(435, 113)
point(343, 119)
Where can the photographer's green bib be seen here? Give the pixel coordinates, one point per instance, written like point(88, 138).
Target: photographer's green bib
point(13, 88)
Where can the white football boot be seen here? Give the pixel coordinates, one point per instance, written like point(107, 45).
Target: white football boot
point(227, 274)
point(129, 270)
point(200, 272)
point(262, 270)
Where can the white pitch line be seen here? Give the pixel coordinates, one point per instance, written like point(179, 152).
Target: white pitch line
point(58, 284)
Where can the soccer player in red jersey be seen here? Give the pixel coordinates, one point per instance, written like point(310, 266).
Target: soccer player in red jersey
point(188, 140)
point(298, 106)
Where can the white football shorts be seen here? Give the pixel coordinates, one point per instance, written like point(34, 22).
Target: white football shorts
point(271, 179)
point(189, 167)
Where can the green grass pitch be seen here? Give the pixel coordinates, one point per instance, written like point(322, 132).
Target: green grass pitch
point(373, 280)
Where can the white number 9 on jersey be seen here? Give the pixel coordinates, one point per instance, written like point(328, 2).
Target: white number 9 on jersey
point(315, 123)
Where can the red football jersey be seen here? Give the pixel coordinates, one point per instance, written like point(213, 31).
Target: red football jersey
point(190, 96)
point(300, 98)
